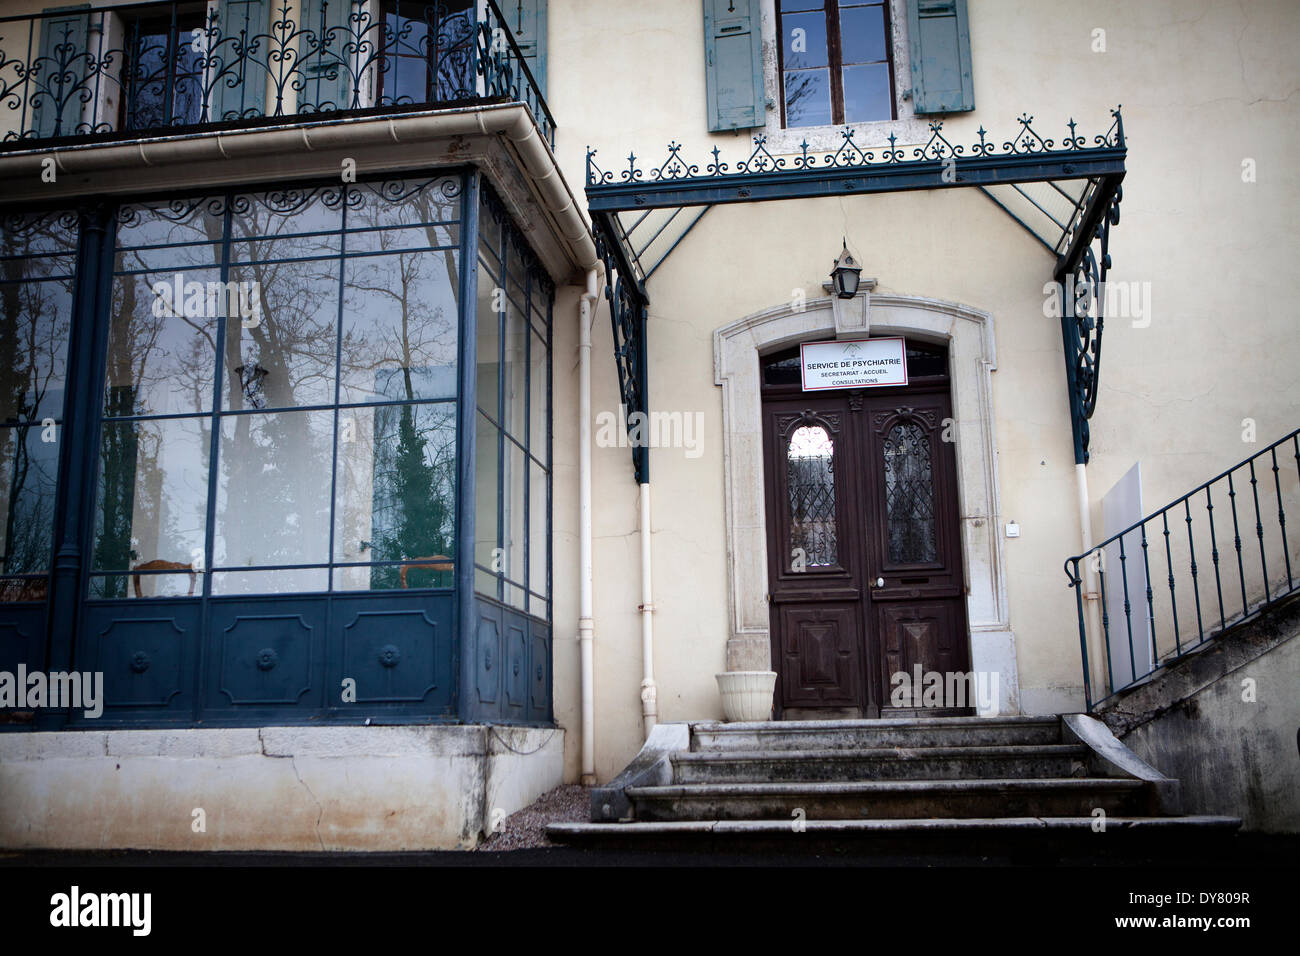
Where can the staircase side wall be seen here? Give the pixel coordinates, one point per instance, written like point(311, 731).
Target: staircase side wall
point(1226, 723)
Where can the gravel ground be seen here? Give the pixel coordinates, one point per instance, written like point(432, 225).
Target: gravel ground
point(526, 829)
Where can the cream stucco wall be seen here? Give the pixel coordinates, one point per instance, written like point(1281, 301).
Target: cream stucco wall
point(1204, 86)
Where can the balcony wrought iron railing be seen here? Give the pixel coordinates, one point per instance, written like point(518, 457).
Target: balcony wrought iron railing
point(149, 69)
point(1225, 557)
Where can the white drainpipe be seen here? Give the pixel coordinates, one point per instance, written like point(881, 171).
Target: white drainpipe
point(586, 625)
point(1092, 610)
point(649, 690)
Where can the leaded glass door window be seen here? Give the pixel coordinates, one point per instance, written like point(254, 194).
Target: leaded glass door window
point(810, 469)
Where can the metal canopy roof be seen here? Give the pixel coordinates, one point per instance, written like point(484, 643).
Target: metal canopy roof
point(1065, 193)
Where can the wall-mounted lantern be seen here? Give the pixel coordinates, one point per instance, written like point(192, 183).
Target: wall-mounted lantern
point(845, 274)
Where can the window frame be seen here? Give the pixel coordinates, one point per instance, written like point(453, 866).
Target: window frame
point(835, 63)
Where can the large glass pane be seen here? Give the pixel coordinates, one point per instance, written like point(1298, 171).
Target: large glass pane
point(183, 221)
point(282, 355)
point(161, 342)
point(516, 370)
point(491, 300)
point(862, 33)
point(516, 525)
point(273, 489)
point(538, 532)
point(808, 98)
point(405, 239)
point(29, 467)
point(487, 464)
point(396, 494)
point(804, 39)
point(287, 211)
point(35, 321)
point(284, 581)
point(540, 316)
point(403, 202)
point(399, 316)
point(538, 393)
point(867, 95)
point(151, 503)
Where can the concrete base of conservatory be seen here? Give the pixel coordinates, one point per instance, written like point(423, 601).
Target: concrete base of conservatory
point(271, 788)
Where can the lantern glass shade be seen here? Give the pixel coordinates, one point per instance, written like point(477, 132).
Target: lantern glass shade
point(845, 275)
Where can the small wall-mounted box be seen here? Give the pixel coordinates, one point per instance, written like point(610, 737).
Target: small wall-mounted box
point(1013, 529)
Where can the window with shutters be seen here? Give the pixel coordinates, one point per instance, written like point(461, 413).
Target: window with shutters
point(835, 62)
point(885, 65)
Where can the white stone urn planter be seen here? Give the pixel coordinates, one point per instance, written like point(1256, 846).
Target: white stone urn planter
point(747, 695)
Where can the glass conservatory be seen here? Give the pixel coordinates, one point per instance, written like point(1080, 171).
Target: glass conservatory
point(278, 454)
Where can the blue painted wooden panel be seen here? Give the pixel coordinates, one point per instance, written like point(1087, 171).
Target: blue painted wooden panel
point(539, 672)
point(516, 674)
point(266, 653)
point(511, 666)
point(22, 636)
point(398, 649)
point(148, 652)
point(22, 641)
point(487, 655)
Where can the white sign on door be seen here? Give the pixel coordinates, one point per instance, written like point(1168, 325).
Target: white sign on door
point(853, 363)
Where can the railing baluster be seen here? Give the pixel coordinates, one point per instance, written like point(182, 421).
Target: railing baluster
point(1173, 598)
point(1259, 529)
point(1196, 588)
point(1105, 619)
point(1236, 543)
point(1083, 636)
point(1128, 616)
point(1151, 608)
point(1214, 554)
point(1281, 518)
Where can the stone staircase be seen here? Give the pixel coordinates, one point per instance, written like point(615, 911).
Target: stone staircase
point(910, 777)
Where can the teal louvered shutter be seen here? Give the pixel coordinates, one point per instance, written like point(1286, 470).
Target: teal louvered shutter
point(60, 72)
point(527, 20)
point(241, 53)
point(733, 58)
point(325, 52)
point(939, 43)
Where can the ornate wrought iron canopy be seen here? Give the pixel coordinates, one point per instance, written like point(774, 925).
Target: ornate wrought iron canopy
point(1065, 193)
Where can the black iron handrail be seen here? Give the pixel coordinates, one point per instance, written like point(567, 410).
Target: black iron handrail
point(166, 67)
point(1158, 630)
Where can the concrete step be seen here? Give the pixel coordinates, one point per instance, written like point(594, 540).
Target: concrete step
point(875, 734)
point(891, 799)
point(887, 763)
point(1032, 839)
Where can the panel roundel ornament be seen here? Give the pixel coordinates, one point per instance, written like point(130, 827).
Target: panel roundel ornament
point(390, 655)
point(267, 658)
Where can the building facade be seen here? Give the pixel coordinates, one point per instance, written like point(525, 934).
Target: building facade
point(421, 391)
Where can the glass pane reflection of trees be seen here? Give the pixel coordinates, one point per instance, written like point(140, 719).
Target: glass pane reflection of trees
point(338, 372)
point(36, 277)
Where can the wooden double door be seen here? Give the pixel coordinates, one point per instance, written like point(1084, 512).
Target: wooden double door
point(864, 550)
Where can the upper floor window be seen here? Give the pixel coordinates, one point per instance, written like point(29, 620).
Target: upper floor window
point(162, 77)
point(836, 65)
